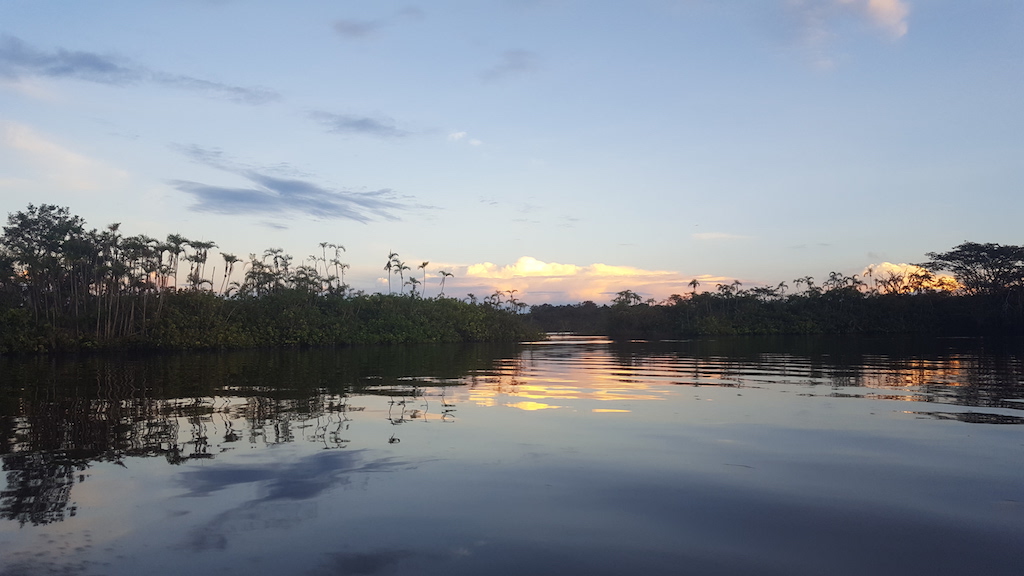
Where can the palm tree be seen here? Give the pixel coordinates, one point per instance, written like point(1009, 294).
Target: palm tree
point(323, 252)
point(443, 276)
point(175, 247)
point(339, 269)
point(693, 285)
point(392, 259)
point(412, 282)
point(338, 249)
point(229, 266)
point(199, 259)
point(423, 267)
point(401, 267)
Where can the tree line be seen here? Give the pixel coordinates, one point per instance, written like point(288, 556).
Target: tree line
point(64, 286)
point(984, 294)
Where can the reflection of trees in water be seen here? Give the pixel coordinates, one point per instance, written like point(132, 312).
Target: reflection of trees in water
point(964, 372)
point(39, 486)
point(52, 444)
point(59, 416)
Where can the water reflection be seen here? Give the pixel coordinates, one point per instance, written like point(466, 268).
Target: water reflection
point(284, 488)
point(550, 374)
point(61, 417)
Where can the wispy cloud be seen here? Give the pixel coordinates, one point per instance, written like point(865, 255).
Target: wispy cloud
point(512, 63)
point(888, 15)
point(354, 29)
point(55, 164)
point(353, 124)
point(266, 194)
point(464, 137)
point(20, 60)
point(818, 20)
point(717, 236)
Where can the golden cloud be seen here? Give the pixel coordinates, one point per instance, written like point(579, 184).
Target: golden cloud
point(889, 277)
point(537, 281)
point(889, 15)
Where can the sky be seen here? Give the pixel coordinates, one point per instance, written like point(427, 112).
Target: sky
point(566, 149)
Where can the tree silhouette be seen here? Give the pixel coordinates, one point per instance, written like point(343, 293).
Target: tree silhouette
point(229, 266)
point(412, 282)
point(626, 298)
point(175, 246)
point(389, 267)
point(423, 267)
point(444, 275)
point(981, 268)
point(401, 268)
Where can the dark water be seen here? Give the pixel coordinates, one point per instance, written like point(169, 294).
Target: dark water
point(573, 456)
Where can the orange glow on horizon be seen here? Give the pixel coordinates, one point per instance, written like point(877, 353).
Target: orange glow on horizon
point(537, 282)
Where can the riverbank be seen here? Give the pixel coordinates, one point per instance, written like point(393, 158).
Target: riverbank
point(196, 320)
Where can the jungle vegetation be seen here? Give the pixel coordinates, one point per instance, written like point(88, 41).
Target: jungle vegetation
point(66, 287)
point(984, 296)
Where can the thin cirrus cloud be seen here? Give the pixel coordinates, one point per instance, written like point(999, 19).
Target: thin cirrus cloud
point(47, 161)
point(463, 137)
point(717, 236)
point(267, 195)
point(353, 29)
point(512, 63)
point(353, 124)
point(20, 60)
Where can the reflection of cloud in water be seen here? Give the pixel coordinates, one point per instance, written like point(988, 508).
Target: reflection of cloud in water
point(304, 479)
point(342, 564)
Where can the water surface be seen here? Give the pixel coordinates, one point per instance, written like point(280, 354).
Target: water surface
point(572, 456)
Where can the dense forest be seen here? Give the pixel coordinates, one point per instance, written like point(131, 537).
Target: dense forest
point(984, 295)
point(65, 287)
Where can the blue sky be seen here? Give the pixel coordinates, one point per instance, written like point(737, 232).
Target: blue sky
point(565, 149)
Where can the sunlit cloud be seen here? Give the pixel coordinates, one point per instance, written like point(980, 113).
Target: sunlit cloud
point(537, 282)
point(818, 22)
point(890, 277)
point(19, 60)
point(53, 164)
point(889, 15)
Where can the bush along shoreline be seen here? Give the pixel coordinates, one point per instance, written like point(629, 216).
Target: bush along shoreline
point(983, 294)
point(66, 288)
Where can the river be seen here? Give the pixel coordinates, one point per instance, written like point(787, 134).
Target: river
point(574, 455)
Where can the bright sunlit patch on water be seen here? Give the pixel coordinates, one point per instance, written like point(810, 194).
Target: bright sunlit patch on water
point(529, 406)
point(609, 410)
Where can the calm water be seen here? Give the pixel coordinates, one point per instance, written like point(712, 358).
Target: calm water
point(573, 456)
